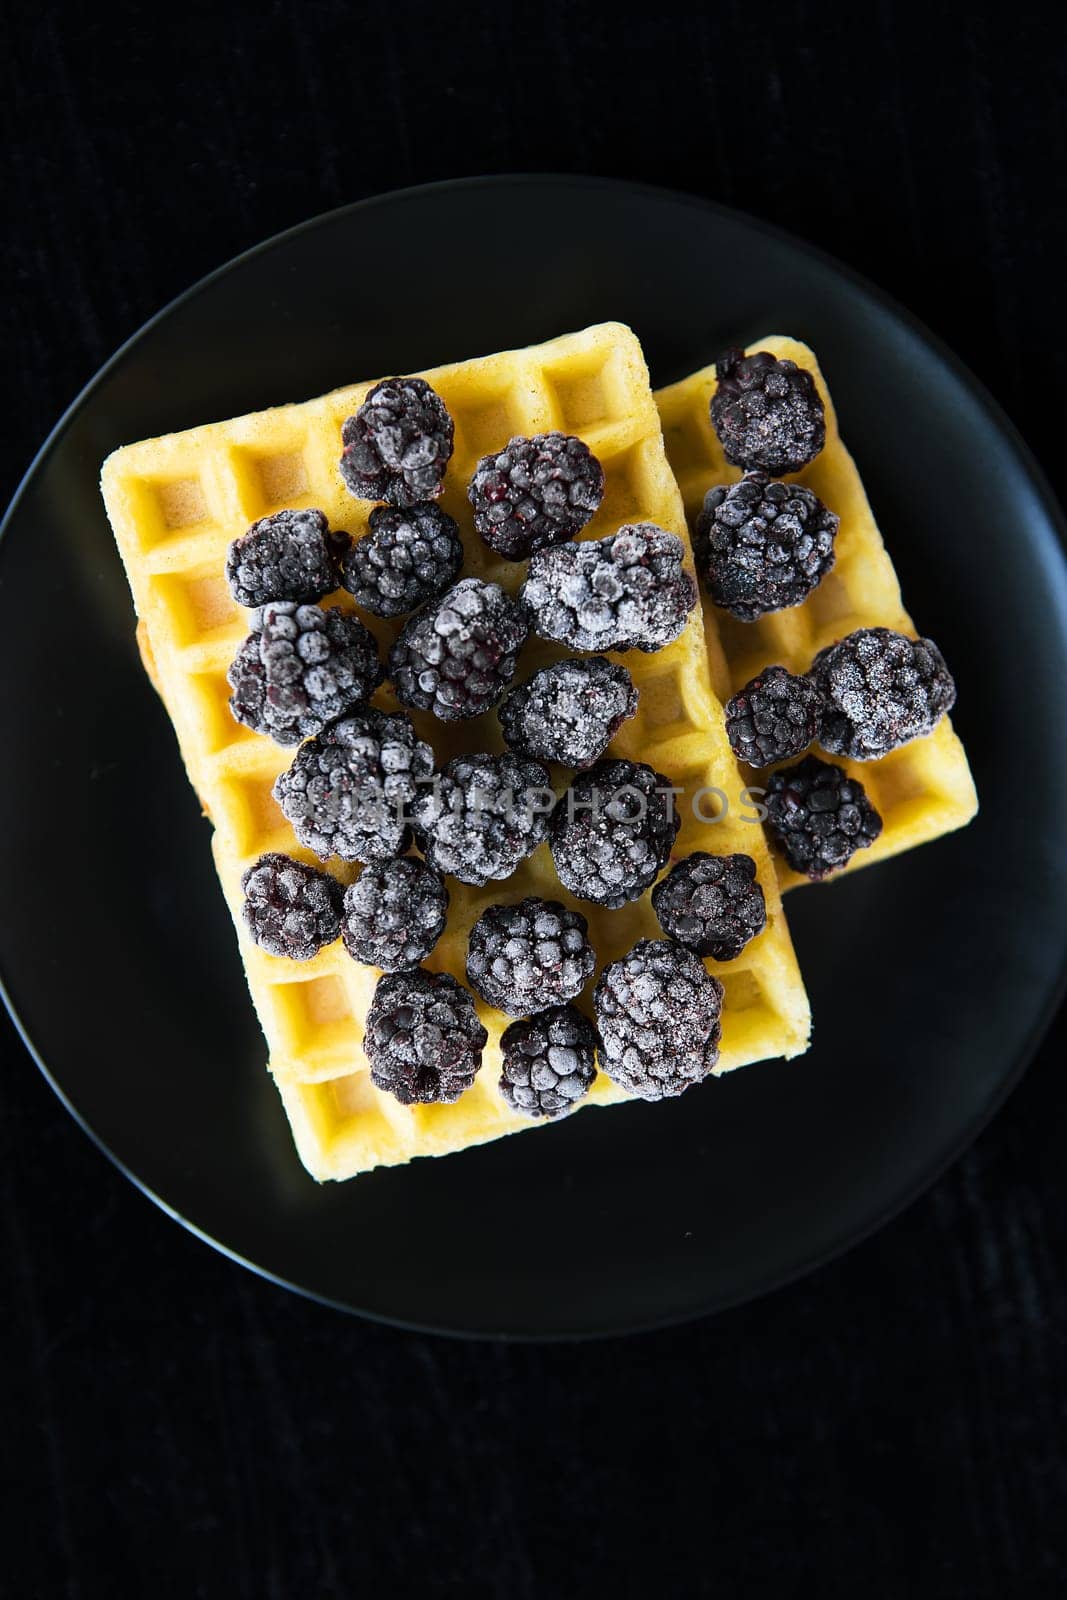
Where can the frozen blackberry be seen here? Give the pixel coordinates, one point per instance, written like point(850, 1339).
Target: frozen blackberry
point(711, 904)
point(767, 413)
point(291, 555)
point(290, 909)
point(394, 913)
point(423, 1038)
point(408, 557)
point(773, 718)
point(657, 1013)
point(398, 444)
point(548, 1061)
point(612, 832)
point(457, 655)
point(483, 816)
point(534, 493)
point(761, 546)
point(628, 591)
point(878, 689)
point(819, 816)
point(569, 712)
point(299, 668)
point(349, 792)
point(521, 958)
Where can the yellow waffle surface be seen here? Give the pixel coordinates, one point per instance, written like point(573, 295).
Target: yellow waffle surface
point(175, 503)
point(925, 788)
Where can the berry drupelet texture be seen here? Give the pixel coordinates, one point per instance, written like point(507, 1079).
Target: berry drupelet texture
point(773, 718)
point(612, 832)
point(300, 668)
point(398, 444)
point(523, 957)
point(761, 546)
point(628, 591)
point(291, 555)
point(657, 1013)
point(819, 816)
point(290, 909)
point(569, 712)
point(394, 913)
point(423, 1038)
point(457, 655)
point(711, 904)
point(535, 493)
point(483, 816)
point(549, 1062)
point(878, 689)
point(349, 792)
point(767, 413)
point(408, 557)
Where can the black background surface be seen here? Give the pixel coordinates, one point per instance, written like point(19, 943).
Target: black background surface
point(893, 1425)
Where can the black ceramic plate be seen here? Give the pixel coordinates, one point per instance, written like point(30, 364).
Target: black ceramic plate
point(931, 977)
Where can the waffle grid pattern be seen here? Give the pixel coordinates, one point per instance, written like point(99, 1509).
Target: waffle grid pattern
point(925, 788)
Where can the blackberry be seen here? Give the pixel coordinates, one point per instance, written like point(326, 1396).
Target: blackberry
point(394, 913)
point(290, 909)
point(483, 816)
point(534, 493)
point(521, 958)
point(612, 832)
point(291, 555)
point(819, 816)
point(767, 413)
point(773, 718)
point(657, 1013)
point(423, 1038)
point(398, 444)
point(301, 667)
point(349, 791)
point(762, 546)
point(548, 1061)
point(457, 655)
point(628, 591)
point(879, 689)
point(711, 904)
point(408, 557)
point(569, 712)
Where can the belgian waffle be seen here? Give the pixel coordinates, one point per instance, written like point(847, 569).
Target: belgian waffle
point(925, 788)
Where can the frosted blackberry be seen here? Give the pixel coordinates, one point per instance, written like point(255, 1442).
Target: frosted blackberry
point(773, 718)
point(569, 712)
point(290, 909)
point(349, 792)
point(761, 546)
point(628, 591)
point(879, 689)
point(521, 958)
point(819, 816)
point(534, 493)
point(394, 913)
point(767, 413)
point(423, 1038)
point(657, 1013)
point(548, 1061)
point(398, 444)
point(291, 555)
point(457, 655)
point(299, 668)
point(483, 816)
point(612, 832)
point(711, 904)
point(408, 557)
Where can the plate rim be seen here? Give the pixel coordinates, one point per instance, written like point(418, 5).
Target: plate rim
point(1056, 523)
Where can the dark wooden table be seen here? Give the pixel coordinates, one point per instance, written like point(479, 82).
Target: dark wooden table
point(891, 1426)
